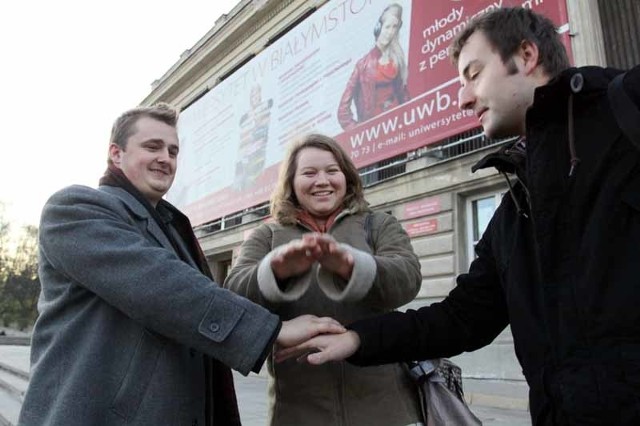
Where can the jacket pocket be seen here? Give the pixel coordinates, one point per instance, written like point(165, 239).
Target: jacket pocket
point(601, 393)
point(138, 376)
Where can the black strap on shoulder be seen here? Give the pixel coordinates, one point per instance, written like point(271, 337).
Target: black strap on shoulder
point(625, 110)
point(368, 229)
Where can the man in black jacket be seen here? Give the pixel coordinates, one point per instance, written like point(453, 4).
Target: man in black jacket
point(560, 259)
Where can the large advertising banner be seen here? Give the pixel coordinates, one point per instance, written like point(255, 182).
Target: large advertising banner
point(374, 74)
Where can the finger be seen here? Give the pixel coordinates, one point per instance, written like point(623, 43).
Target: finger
point(323, 242)
point(286, 251)
point(325, 237)
point(349, 259)
point(294, 351)
point(310, 238)
point(335, 249)
point(281, 356)
point(302, 359)
point(318, 358)
point(311, 244)
point(311, 250)
point(328, 320)
point(330, 328)
point(301, 246)
point(315, 251)
point(297, 250)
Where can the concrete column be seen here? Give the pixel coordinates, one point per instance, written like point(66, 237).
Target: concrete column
point(585, 29)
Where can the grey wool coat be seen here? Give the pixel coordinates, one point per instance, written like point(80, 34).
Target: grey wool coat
point(335, 393)
point(124, 323)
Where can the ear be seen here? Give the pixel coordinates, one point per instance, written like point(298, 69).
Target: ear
point(530, 56)
point(115, 154)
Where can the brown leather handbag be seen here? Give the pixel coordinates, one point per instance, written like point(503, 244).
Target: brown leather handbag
point(439, 384)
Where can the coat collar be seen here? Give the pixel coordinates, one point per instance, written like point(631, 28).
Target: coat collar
point(140, 212)
point(508, 159)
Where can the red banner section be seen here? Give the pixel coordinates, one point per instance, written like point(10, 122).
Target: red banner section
point(423, 207)
point(317, 78)
point(424, 227)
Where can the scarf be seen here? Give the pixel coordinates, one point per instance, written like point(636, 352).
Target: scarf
point(221, 406)
point(305, 218)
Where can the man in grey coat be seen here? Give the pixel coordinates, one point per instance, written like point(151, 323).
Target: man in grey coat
point(132, 329)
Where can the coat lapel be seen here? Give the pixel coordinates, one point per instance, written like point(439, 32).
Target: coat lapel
point(140, 214)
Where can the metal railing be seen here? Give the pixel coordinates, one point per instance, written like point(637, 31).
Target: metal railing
point(450, 148)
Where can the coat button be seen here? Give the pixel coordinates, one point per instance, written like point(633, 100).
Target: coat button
point(576, 82)
point(192, 352)
point(194, 422)
point(214, 327)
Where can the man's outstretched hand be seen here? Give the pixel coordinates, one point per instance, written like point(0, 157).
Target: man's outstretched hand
point(300, 329)
point(322, 348)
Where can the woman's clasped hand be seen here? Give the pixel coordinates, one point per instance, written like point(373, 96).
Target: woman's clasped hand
point(297, 256)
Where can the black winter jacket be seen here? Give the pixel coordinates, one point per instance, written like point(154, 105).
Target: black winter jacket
point(559, 262)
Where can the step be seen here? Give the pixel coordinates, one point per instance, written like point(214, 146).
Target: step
point(14, 371)
point(15, 356)
point(13, 382)
point(9, 408)
point(505, 394)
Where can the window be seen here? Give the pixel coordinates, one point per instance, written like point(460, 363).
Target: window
point(480, 209)
point(383, 170)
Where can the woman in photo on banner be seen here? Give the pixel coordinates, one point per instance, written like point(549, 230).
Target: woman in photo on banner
point(314, 258)
point(379, 79)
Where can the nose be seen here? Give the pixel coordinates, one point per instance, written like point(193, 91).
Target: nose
point(321, 179)
point(466, 97)
point(163, 155)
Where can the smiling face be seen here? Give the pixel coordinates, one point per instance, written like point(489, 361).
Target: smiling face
point(499, 93)
point(319, 184)
point(388, 30)
point(150, 158)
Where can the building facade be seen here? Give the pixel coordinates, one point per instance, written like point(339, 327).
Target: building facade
point(430, 188)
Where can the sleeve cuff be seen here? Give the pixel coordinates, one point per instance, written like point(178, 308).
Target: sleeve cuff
point(268, 284)
point(267, 349)
point(358, 358)
point(360, 283)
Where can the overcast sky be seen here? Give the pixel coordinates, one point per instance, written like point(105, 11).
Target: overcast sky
point(69, 68)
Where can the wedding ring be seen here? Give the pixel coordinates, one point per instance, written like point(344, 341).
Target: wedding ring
point(307, 253)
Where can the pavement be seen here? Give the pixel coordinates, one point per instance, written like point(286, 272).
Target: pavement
point(495, 402)
point(252, 402)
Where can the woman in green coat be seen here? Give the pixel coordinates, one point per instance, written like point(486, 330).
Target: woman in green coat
point(314, 258)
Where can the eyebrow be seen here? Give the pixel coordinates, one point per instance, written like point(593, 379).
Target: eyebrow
point(315, 167)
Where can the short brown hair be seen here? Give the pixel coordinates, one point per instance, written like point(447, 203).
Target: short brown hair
point(507, 28)
point(285, 205)
point(124, 126)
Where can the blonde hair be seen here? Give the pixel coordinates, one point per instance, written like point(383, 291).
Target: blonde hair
point(395, 50)
point(285, 205)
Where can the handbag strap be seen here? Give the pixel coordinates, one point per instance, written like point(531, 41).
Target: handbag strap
point(624, 109)
point(368, 229)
